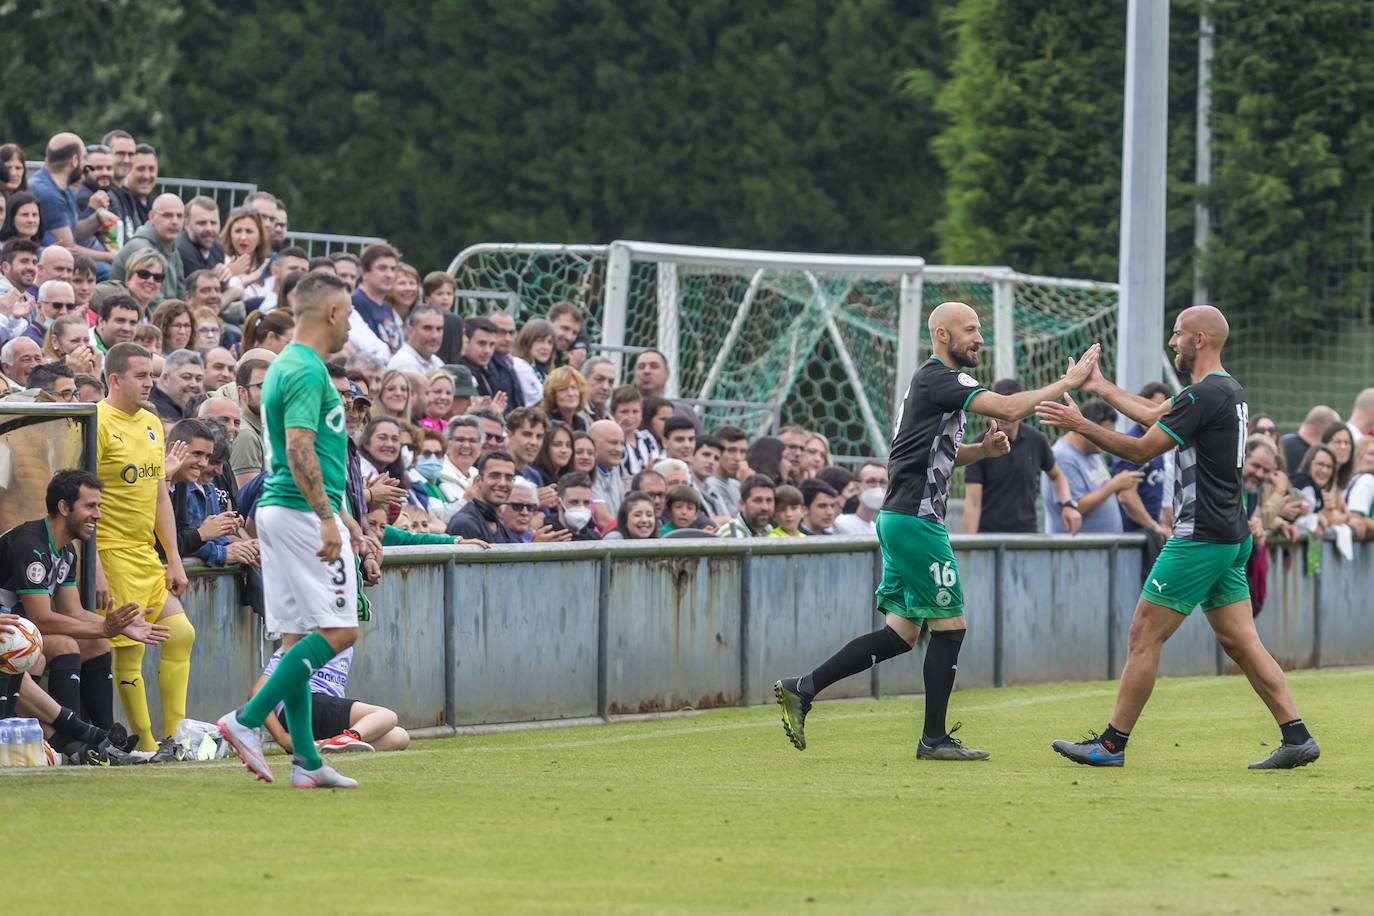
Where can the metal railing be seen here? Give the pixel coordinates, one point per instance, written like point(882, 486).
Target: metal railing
point(318, 244)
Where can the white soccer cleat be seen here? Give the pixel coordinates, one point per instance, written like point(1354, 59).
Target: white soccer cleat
point(326, 777)
point(247, 742)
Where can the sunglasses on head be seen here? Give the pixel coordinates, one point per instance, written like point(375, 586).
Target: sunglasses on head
point(97, 148)
point(148, 275)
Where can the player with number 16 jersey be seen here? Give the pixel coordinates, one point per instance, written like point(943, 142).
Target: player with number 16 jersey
point(920, 589)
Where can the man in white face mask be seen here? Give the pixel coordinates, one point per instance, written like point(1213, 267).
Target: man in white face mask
point(575, 507)
point(872, 478)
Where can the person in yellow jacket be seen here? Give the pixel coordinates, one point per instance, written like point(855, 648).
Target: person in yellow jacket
point(137, 514)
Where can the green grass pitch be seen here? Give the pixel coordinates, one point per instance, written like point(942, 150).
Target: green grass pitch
point(716, 813)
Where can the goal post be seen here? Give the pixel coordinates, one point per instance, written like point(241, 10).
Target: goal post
point(824, 341)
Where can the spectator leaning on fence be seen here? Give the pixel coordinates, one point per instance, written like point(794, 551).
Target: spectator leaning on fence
point(1359, 496)
point(478, 518)
point(755, 518)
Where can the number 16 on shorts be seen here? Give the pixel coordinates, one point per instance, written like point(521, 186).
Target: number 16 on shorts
point(944, 574)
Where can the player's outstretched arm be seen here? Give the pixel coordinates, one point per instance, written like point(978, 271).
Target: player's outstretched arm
point(1142, 410)
point(1066, 416)
point(1012, 407)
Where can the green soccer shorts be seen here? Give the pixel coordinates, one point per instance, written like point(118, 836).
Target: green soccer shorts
point(920, 576)
point(1191, 574)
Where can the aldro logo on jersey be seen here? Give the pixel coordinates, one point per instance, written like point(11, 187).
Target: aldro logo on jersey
point(133, 473)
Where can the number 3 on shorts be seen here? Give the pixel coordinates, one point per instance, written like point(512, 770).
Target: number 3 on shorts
point(944, 574)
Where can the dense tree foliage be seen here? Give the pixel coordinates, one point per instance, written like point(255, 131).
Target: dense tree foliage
point(977, 131)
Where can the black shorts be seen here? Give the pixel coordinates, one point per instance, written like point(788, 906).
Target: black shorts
point(329, 716)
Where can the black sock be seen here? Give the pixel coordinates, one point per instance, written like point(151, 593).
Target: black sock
point(69, 725)
point(859, 655)
point(1114, 739)
point(9, 694)
point(64, 680)
point(942, 666)
point(1295, 732)
point(97, 691)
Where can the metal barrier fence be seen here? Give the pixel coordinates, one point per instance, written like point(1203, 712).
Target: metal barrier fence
point(588, 631)
point(319, 244)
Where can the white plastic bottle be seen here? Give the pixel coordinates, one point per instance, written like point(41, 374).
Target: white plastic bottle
point(6, 742)
point(33, 744)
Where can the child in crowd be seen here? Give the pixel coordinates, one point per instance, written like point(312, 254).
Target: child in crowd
point(788, 510)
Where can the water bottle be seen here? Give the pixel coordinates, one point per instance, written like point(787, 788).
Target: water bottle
point(6, 742)
point(33, 744)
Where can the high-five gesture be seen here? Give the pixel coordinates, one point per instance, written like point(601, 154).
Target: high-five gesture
point(1082, 369)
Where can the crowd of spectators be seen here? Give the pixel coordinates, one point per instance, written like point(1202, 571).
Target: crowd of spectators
point(463, 427)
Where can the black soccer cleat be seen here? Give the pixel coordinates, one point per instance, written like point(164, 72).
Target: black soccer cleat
point(948, 748)
point(795, 706)
point(119, 737)
point(1290, 756)
point(169, 751)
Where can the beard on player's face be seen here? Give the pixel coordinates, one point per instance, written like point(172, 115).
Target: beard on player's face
point(1187, 353)
point(963, 356)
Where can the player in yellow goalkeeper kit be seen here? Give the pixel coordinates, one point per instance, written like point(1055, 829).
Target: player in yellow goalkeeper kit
point(137, 508)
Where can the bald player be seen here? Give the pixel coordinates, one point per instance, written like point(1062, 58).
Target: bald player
point(1203, 563)
point(920, 588)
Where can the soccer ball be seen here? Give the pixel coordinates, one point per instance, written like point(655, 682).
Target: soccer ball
point(19, 650)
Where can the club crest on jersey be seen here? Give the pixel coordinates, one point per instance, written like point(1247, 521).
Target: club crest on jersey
point(967, 380)
point(943, 597)
point(35, 572)
point(152, 436)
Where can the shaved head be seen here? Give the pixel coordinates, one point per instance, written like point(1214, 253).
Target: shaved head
point(955, 333)
point(1200, 328)
point(1364, 401)
point(949, 314)
point(168, 202)
point(1205, 319)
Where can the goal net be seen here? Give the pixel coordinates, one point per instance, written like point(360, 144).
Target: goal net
point(769, 338)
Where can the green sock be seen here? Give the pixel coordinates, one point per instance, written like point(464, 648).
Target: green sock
point(302, 730)
point(292, 672)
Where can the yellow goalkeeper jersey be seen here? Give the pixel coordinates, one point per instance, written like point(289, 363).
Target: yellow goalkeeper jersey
point(129, 458)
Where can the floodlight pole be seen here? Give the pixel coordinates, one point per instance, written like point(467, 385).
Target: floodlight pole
point(1140, 337)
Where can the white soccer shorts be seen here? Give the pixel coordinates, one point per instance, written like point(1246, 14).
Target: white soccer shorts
point(302, 592)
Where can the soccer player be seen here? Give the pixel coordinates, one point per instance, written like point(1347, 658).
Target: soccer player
point(38, 581)
point(137, 508)
point(308, 539)
point(1203, 563)
point(920, 587)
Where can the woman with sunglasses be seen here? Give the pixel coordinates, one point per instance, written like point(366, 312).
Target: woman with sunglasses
point(143, 275)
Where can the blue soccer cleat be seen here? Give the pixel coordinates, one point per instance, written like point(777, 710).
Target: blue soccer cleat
point(1090, 752)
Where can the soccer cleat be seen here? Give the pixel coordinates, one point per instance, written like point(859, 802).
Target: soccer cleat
point(794, 710)
point(346, 740)
point(1090, 752)
point(107, 754)
point(951, 748)
point(324, 778)
point(1290, 756)
point(168, 751)
point(119, 737)
point(247, 743)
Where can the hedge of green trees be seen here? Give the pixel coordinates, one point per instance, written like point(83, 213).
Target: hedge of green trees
point(977, 131)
